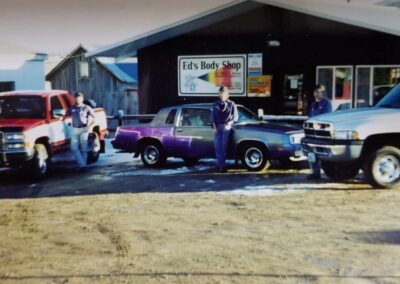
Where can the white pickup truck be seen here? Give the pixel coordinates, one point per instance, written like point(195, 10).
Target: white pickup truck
point(366, 138)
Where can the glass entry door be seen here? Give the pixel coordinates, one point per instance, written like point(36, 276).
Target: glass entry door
point(293, 96)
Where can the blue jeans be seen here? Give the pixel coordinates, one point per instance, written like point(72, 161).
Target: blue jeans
point(315, 166)
point(79, 143)
point(221, 140)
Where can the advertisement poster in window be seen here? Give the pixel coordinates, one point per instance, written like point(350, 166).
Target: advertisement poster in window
point(203, 75)
point(254, 64)
point(259, 86)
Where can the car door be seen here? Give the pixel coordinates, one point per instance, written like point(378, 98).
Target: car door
point(59, 132)
point(194, 136)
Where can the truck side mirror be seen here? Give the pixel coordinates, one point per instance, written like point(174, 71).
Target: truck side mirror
point(59, 113)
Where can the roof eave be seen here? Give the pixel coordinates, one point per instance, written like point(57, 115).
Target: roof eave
point(130, 46)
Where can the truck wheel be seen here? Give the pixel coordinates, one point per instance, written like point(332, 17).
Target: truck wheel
point(191, 161)
point(153, 156)
point(38, 167)
point(255, 157)
point(94, 148)
point(340, 171)
point(382, 168)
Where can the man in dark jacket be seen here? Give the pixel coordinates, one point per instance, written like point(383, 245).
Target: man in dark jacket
point(321, 105)
point(224, 115)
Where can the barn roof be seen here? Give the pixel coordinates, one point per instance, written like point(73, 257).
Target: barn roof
point(365, 14)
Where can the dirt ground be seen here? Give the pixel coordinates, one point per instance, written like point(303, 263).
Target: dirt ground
point(297, 232)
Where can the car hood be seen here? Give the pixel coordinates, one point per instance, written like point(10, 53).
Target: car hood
point(357, 115)
point(267, 126)
point(20, 124)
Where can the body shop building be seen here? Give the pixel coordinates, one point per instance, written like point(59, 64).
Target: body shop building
point(271, 54)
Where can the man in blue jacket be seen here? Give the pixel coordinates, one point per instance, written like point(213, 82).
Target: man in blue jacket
point(321, 105)
point(223, 116)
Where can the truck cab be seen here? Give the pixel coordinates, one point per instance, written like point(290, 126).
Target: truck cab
point(34, 128)
point(366, 138)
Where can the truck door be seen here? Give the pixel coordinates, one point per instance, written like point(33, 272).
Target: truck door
point(67, 119)
point(194, 137)
point(59, 131)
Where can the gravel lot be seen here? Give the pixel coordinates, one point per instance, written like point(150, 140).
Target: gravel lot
point(121, 223)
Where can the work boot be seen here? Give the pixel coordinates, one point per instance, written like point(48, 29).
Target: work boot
point(314, 177)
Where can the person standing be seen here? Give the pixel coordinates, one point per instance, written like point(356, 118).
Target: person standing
point(81, 125)
point(320, 105)
point(223, 116)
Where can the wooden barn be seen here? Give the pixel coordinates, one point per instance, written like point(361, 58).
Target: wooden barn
point(113, 85)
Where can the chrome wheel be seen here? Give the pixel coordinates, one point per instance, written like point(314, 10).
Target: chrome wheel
point(42, 162)
point(387, 169)
point(253, 157)
point(151, 155)
point(37, 167)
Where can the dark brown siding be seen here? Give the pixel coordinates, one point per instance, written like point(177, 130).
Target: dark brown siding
point(306, 42)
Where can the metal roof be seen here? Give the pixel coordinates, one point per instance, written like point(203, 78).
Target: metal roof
point(370, 16)
point(120, 74)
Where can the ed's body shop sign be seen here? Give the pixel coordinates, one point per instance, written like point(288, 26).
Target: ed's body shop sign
point(203, 75)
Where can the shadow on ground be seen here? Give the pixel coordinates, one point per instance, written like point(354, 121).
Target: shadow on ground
point(174, 178)
point(379, 237)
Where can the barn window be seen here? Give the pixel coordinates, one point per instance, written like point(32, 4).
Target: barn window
point(84, 69)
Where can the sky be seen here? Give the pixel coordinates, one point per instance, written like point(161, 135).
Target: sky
point(56, 27)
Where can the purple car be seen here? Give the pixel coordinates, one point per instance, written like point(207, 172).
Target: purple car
point(185, 132)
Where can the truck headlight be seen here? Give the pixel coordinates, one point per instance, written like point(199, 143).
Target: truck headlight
point(16, 136)
point(296, 138)
point(346, 135)
point(16, 146)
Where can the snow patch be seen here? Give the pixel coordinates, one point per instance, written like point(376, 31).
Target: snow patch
point(261, 191)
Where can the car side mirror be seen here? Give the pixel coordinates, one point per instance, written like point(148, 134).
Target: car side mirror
point(59, 113)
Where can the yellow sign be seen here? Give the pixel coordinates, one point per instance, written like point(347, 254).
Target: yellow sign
point(259, 86)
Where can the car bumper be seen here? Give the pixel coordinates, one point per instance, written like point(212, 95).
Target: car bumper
point(122, 145)
point(332, 150)
point(15, 158)
point(292, 152)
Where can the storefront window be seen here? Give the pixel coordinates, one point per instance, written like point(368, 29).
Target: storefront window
point(338, 84)
point(325, 77)
point(363, 86)
point(384, 79)
point(374, 82)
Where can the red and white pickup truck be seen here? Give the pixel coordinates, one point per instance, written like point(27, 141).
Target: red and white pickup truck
point(34, 129)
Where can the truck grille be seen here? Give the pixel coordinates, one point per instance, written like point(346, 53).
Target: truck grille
point(2, 142)
point(317, 130)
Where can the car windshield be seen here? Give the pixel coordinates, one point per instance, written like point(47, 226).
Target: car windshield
point(392, 99)
point(22, 107)
point(246, 115)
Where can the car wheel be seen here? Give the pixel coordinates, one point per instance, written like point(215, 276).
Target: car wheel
point(191, 161)
point(152, 155)
point(38, 166)
point(255, 157)
point(94, 148)
point(382, 168)
point(340, 171)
